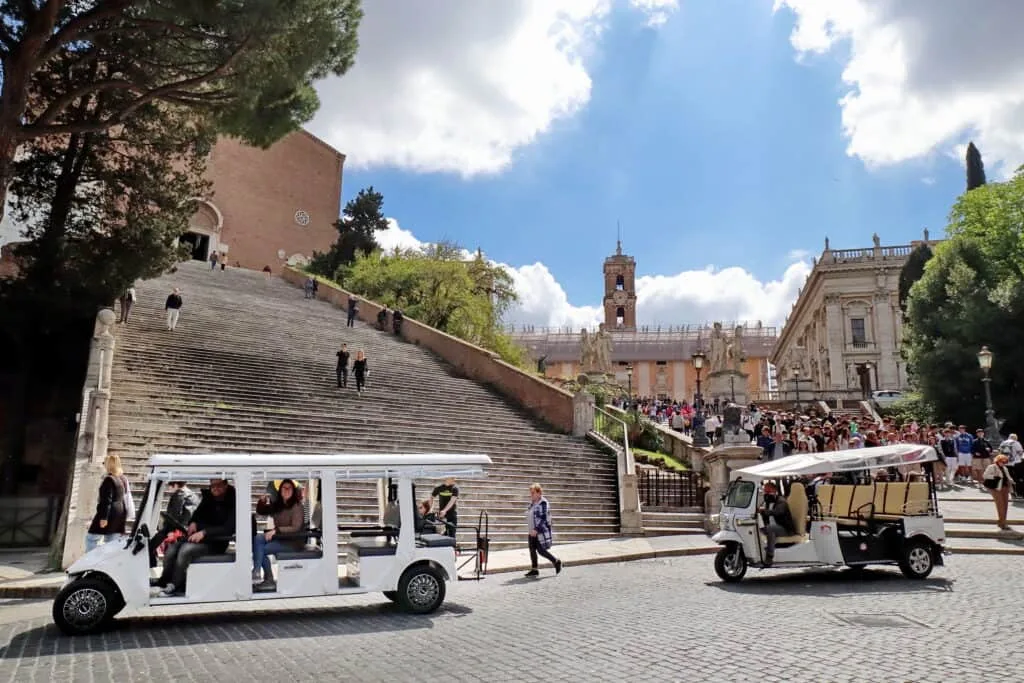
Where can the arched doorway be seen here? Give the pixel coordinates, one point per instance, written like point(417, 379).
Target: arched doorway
point(203, 234)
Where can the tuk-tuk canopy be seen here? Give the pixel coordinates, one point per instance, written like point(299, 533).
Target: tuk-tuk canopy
point(853, 460)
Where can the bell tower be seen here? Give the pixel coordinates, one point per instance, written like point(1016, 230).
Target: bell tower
point(620, 291)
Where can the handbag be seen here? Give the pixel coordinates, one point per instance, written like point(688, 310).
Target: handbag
point(992, 483)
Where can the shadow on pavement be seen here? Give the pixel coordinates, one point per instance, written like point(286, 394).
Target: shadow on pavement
point(524, 580)
point(830, 583)
point(188, 630)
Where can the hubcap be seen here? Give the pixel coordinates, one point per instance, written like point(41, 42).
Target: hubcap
point(919, 560)
point(733, 563)
point(423, 590)
point(85, 608)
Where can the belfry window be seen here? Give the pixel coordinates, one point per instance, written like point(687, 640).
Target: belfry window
point(620, 316)
point(620, 282)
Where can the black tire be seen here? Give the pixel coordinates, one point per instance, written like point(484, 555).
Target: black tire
point(731, 563)
point(421, 590)
point(86, 605)
point(916, 559)
point(391, 595)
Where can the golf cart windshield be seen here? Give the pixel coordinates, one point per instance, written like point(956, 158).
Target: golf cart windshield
point(739, 495)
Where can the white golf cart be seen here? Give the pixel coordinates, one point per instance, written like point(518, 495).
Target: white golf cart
point(410, 568)
point(850, 520)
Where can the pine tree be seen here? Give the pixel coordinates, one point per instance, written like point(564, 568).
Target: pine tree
point(912, 271)
point(975, 168)
point(362, 218)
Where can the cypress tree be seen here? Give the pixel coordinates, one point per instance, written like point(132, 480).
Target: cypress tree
point(975, 168)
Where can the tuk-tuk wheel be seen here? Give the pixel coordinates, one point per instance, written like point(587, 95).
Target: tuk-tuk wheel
point(731, 563)
point(916, 560)
point(421, 590)
point(86, 605)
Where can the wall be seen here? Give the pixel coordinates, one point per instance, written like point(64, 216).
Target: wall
point(258, 193)
point(547, 402)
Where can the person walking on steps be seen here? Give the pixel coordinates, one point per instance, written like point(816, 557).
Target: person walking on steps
point(342, 370)
point(127, 299)
point(360, 371)
point(173, 308)
point(538, 520)
point(353, 311)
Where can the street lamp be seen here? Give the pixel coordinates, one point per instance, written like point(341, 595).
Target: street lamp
point(796, 374)
point(991, 426)
point(629, 378)
point(700, 437)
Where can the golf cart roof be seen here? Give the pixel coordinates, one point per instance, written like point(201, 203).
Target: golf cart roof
point(853, 460)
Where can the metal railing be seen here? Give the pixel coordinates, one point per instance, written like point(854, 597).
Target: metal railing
point(662, 488)
point(615, 430)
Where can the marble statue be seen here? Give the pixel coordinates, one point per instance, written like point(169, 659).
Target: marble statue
point(731, 420)
point(877, 240)
point(735, 350)
point(717, 358)
point(603, 349)
point(586, 351)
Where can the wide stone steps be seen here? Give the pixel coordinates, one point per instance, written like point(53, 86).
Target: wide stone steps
point(670, 523)
point(251, 369)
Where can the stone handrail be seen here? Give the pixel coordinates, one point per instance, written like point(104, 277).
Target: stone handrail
point(609, 426)
point(90, 447)
point(613, 429)
point(680, 445)
point(545, 401)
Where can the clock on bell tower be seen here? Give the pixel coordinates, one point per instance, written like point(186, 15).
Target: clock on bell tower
point(620, 291)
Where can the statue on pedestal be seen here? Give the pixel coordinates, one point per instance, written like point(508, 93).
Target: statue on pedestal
point(596, 351)
point(734, 351)
point(717, 355)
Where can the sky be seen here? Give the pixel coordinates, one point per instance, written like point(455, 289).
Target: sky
point(727, 138)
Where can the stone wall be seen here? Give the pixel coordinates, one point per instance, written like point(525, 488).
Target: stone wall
point(549, 403)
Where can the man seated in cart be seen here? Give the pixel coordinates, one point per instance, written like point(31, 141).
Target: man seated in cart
point(777, 520)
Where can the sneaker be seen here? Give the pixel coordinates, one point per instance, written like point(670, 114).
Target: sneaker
point(558, 567)
point(265, 586)
point(532, 573)
point(168, 591)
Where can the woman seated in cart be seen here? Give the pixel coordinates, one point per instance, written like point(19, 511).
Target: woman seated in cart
point(865, 521)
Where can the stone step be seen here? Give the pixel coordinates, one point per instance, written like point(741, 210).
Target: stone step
point(984, 546)
point(982, 531)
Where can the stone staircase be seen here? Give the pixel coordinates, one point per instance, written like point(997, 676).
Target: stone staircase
point(250, 368)
point(673, 521)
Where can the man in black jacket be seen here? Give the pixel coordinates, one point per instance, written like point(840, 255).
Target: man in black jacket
point(180, 506)
point(778, 521)
point(209, 533)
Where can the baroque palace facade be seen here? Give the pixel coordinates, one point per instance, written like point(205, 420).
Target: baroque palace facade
point(660, 357)
point(844, 335)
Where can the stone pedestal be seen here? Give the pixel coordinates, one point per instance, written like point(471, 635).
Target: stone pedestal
point(725, 384)
point(718, 467)
point(630, 520)
point(582, 413)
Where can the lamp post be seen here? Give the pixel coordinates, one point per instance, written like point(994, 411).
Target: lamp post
point(700, 437)
point(629, 379)
point(796, 375)
point(991, 426)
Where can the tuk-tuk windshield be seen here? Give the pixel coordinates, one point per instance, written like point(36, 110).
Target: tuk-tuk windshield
point(740, 494)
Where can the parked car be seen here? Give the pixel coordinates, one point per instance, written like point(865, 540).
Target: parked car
point(886, 398)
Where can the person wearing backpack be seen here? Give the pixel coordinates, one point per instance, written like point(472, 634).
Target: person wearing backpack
point(108, 524)
point(998, 481)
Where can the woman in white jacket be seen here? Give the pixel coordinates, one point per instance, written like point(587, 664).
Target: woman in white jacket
point(998, 482)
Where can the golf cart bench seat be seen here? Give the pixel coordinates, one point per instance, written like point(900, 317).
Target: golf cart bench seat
point(797, 500)
point(884, 500)
point(370, 547)
point(435, 541)
point(215, 559)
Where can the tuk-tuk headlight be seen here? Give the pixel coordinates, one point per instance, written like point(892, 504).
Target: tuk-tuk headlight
point(716, 521)
point(727, 523)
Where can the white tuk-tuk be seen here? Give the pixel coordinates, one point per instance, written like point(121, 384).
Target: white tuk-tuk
point(410, 568)
point(844, 514)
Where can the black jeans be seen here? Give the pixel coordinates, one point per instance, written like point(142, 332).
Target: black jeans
point(360, 381)
point(351, 319)
point(343, 377)
point(126, 308)
point(154, 544)
point(451, 521)
point(537, 549)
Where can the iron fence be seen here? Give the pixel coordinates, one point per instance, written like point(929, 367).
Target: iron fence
point(28, 521)
point(661, 488)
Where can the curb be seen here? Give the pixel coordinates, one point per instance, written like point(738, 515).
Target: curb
point(986, 551)
point(37, 592)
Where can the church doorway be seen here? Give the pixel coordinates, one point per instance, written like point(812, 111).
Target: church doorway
point(199, 244)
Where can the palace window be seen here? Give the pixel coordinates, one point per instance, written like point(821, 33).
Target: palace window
point(858, 332)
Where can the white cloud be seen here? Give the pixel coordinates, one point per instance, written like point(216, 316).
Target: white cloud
point(924, 75)
point(658, 11)
point(459, 85)
point(690, 296)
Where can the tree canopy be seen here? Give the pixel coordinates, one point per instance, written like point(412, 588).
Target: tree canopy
point(247, 66)
point(442, 286)
point(975, 168)
point(912, 271)
point(357, 228)
point(972, 294)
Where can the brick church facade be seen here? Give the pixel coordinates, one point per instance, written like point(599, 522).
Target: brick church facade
point(269, 207)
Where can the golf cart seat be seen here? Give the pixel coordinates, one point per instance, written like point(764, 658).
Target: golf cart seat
point(797, 500)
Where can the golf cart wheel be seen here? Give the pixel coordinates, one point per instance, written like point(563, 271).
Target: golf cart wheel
point(421, 590)
point(731, 563)
point(86, 605)
point(916, 559)
point(391, 595)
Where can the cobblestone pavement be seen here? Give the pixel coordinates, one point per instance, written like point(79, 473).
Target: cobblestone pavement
point(656, 620)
